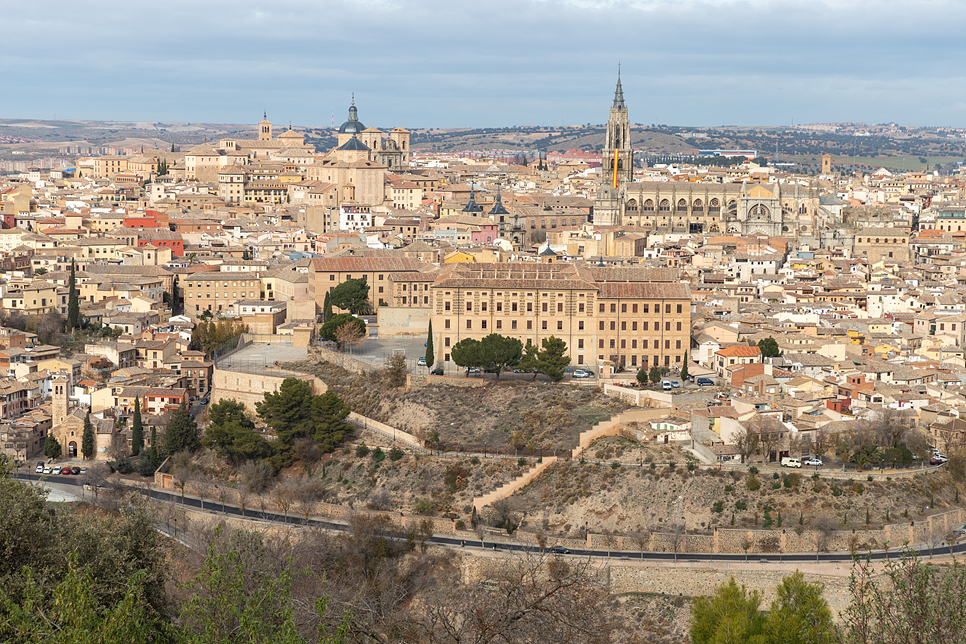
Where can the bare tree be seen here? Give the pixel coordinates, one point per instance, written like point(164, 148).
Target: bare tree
point(349, 335)
point(528, 597)
point(396, 371)
point(678, 536)
point(642, 540)
point(244, 496)
point(824, 528)
point(180, 475)
point(284, 494)
point(745, 442)
point(746, 545)
point(308, 492)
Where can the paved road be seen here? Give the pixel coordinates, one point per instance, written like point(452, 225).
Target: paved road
point(216, 507)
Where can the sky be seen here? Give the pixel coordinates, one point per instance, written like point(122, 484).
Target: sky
point(485, 63)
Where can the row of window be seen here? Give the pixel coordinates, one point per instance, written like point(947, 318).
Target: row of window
point(198, 296)
point(644, 326)
point(221, 284)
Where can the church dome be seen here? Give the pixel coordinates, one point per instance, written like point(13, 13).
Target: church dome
point(353, 125)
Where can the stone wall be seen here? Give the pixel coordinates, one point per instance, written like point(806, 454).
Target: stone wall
point(403, 320)
point(386, 431)
point(455, 382)
point(250, 388)
point(343, 360)
point(613, 426)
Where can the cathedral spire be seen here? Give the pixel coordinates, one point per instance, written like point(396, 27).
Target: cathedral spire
point(619, 92)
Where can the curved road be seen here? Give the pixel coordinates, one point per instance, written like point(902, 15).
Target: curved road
point(212, 506)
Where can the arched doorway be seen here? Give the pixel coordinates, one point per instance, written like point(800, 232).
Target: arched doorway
point(72, 449)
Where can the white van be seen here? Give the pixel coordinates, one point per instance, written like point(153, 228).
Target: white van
point(791, 462)
point(666, 385)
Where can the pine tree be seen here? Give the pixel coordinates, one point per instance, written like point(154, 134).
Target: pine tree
point(684, 369)
point(182, 432)
point(174, 296)
point(73, 305)
point(52, 447)
point(137, 430)
point(155, 455)
point(87, 439)
point(326, 309)
point(430, 355)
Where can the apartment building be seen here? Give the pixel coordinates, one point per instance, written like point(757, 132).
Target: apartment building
point(327, 273)
point(219, 291)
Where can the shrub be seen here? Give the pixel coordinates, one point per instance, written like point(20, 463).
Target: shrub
point(615, 465)
point(671, 465)
point(396, 454)
point(752, 483)
point(378, 455)
point(729, 488)
point(741, 505)
point(718, 507)
point(858, 488)
point(423, 506)
point(461, 525)
point(794, 479)
point(362, 451)
point(753, 470)
point(776, 476)
point(777, 485)
point(836, 490)
point(653, 466)
point(475, 460)
point(815, 476)
point(767, 525)
point(521, 462)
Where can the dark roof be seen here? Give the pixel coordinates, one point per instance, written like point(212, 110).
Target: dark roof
point(354, 144)
point(619, 93)
point(353, 125)
point(471, 205)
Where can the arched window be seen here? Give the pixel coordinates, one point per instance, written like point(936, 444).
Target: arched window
point(682, 205)
point(715, 206)
point(649, 205)
point(665, 206)
point(697, 206)
point(632, 205)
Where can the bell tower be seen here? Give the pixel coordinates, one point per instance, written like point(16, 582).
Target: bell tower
point(618, 157)
point(58, 406)
point(265, 128)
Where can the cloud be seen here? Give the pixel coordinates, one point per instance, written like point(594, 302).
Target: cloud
point(436, 63)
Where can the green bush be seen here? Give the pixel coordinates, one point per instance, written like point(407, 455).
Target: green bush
point(378, 455)
point(836, 490)
point(423, 506)
point(776, 476)
point(718, 507)
point(460, 524)
point(475, 460)
point(729, 488)
point(741, 505)
point(752, 483)
point(753, 470)
point(362, 451)
point(522, 462)
point(396, 454)
point(777, 485)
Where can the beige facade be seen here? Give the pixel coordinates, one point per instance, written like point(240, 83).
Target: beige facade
point(627, 317)
point(216, 291)
point(877, 244)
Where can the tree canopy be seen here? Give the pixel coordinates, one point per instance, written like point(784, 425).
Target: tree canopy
point(137, 429)
point(351, 296)
point(232, 433)
point(295, 413)
point(208, 334)
point(182, 431)
point(551, 359)
point(769, 348)
point(330, 330)
point(493, 353)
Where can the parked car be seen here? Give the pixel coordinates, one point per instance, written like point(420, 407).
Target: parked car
point(75, 470)
point(470, 370)
point(56, 470)
point(204, 401)
point(705, 382)
point(583, 373)
point(666, 385)
point(938, 460)
point(789, 461)
point(65, 471)
point(559, 550)
point(438, 371)
point(83, 470)
point(39, 469)
point(48, 470)
point(421, 361)
point(676, 384)
point(817, 462)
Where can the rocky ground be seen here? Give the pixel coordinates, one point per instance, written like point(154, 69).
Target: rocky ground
point(570, 495)
point(510, 415)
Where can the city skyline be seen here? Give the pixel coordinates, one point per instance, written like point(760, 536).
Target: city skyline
point(433, 64)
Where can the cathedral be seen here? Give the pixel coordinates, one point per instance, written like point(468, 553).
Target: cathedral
point(746, 208)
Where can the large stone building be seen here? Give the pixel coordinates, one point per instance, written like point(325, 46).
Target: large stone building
point(628, 317)
point(747, 208)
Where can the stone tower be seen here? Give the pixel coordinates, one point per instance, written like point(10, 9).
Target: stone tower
point(617, 163)
point(265, 129)
point(58, 407)
point(618, 157)
point(826, 164)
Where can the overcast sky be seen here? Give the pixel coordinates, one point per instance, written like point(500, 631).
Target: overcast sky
point(450, 63)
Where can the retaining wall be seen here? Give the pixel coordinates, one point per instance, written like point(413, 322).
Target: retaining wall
point(386, 431)
point(506, 490)
point(250, 388)
point(344, 360)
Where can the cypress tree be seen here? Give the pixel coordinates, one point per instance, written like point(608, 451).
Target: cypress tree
point(73, 305)
point(684, 368)
point(52, 448)
point(137, 430)
point(326, 309)
point(87, 439)
point(430, 355)
point(155, 456)
point(182, 431)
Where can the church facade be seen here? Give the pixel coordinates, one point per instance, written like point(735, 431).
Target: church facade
point(747, 208)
